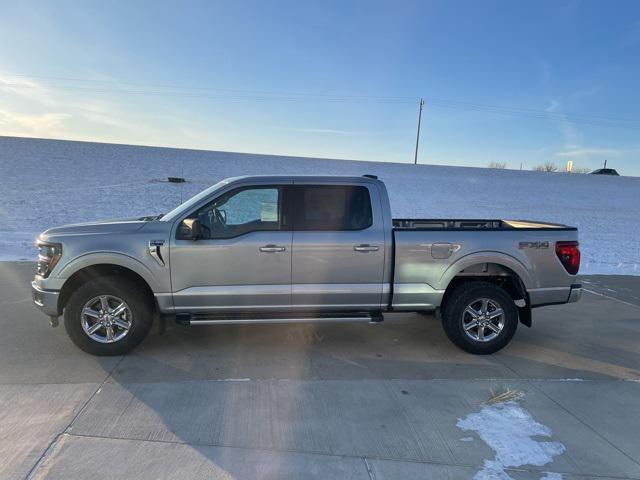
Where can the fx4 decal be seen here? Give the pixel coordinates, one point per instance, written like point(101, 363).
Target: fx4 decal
point(533, 245)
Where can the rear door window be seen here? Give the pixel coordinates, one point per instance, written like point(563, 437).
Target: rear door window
point(332, 207)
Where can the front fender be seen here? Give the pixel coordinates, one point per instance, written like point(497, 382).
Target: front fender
point(105, 258)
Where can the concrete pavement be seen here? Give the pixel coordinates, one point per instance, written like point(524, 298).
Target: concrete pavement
point(620, 287)
point(325, 400)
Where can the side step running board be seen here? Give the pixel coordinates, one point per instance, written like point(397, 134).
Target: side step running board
point(249, 318)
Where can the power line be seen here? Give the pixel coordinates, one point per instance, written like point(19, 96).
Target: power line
point(592, 120)
point(238, 95)
point(577, 118)
point(209, 89)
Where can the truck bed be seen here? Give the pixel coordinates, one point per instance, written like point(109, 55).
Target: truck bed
point(428, 253)
point(440, 224)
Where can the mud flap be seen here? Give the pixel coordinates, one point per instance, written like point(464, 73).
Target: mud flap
point(524, 314)
point(162, 323)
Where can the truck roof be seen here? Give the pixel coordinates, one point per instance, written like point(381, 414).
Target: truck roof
point(318, 178)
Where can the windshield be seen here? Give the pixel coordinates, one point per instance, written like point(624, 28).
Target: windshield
point(169, 216)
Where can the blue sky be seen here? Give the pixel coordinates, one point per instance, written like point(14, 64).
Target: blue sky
point(334, 79)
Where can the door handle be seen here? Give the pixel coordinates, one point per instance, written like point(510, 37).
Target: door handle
point(272, 249)
point(366, 248)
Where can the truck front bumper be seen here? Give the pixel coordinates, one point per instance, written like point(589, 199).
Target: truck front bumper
point(45, 300)
point(576, 293)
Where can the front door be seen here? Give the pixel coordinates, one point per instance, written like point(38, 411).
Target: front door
point(243, 261)
point(338, 247)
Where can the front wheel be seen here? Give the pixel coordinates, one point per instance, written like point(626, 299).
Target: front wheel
point(480, 317)
point(108, 316)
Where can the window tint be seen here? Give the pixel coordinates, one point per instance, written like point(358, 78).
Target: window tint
point(331, 207)
point(242, 211)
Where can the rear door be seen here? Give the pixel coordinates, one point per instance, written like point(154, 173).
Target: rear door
point(338, 246)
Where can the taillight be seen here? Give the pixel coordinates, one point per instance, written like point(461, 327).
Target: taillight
point(569, 256)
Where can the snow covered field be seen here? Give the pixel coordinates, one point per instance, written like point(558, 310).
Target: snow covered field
point(44, 183)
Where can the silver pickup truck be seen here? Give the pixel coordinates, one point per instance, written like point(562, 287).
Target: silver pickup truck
point(300, 249)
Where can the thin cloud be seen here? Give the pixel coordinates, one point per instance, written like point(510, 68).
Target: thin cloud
point(587, 92)
point(553, 105)
point(31, 108)
point(631, 37)
point(544, 68)
point(589, 152)
point(571, 135)
point(18, 124)
point(25, 88)
point(329, 131)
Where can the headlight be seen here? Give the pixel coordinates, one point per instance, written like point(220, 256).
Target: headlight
point(48, 257)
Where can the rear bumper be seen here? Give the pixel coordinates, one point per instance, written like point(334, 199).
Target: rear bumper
point(541, 297)
point(45, 300)
point(576, 293)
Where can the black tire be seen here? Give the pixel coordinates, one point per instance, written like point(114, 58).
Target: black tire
point(137, 299)
point(453, 317)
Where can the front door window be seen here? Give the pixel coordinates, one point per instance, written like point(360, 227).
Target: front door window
point(242, 211)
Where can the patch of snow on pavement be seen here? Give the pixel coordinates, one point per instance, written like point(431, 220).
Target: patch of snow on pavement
point(510, 430)
point(552, 476)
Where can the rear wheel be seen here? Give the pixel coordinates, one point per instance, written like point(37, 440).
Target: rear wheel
point(108, 316)
point(480, 317)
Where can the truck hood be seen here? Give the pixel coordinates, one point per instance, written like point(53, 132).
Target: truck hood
point(95, 228)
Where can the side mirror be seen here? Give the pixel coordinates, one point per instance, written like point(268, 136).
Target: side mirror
point(190, 229)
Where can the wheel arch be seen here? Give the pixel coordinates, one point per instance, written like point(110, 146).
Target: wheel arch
point(89, 272)
point(500, 269)
point(492, 258)
point(111, 258)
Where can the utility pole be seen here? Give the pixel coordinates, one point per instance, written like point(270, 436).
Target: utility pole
point(415, 158)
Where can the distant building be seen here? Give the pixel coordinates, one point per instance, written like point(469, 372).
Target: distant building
point(605, 171)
